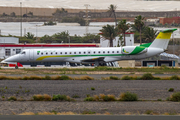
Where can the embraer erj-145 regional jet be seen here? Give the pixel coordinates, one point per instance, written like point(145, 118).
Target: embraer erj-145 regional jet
point(95, 55)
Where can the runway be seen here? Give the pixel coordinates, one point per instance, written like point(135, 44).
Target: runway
point(90, 117)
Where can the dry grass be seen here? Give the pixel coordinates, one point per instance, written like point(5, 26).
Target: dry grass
point(27, 113)
point(3, 77)
point(76, 78)
point(127, 96)
point(111, 97)
point(46, 113)
point(13, 113)
point(107, 113)
point(86, 78)
point(102, 96)
point(128, 113)
point(12, 98)
point(82, 78)
point(166, 113)
point(55, 77)
point(71, 78)
point(96, 97)
point(47, 97)
point(66, 113)
point(68, 98)
point(35, 78)
point(64, 77)
point(165, 78)
point(122, 95)
point(105, 78)
point(40, 97)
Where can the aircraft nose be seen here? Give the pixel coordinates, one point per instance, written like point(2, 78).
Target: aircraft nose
point(4, 61)
point(10, 59)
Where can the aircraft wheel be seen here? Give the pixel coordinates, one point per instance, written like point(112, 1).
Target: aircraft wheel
point(16, 67)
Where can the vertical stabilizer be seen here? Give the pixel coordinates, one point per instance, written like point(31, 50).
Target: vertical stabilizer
point(162, 40)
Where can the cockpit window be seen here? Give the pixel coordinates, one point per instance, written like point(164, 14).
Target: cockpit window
point(23, 52)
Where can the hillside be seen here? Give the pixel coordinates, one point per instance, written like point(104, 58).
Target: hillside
point(123, 5)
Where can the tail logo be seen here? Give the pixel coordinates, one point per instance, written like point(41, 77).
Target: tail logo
point(125, 51)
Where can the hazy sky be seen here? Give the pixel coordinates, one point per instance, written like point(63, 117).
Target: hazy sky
point(97, 4)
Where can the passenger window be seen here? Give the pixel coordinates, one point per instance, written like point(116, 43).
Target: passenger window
point(46, 53)
point(65, 52)
point(84, 52)
point(56, 53)
point(103, 51)
point(74, 52)
point(79, 52)
point(117, 51)
point(99, 52)
point(51, 53)
point(112, 51)
point(89, 52)
point(60, 52)
point(41, 53)
point(108, 51)
point(69, 52)
point(37, 53)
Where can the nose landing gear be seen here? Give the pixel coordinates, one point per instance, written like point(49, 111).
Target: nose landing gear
point(16, 67)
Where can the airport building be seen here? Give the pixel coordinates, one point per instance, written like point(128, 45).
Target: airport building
point(171, 20)
point(10, 46)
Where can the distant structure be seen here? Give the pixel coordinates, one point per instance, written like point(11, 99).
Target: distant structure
point(169, 20)
point(87, 17)
point(9, 40)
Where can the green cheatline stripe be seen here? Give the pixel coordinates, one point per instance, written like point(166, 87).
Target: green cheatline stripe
point(146, 45)
point(137, 50)
point(43, 57)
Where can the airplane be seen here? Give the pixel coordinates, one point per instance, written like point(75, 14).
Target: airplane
point(95, 55)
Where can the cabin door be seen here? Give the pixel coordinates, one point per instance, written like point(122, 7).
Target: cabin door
point(31, 54)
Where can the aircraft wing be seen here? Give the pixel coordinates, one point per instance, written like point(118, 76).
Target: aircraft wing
point(100, 59)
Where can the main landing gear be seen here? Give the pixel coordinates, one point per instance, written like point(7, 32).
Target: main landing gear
point(96, 64)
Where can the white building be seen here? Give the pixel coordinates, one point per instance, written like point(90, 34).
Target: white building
point(116, 41)
point(9, 40)
point(7, 50)
point(10, 46)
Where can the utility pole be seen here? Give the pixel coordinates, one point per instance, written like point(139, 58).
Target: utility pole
point(24, 31)
point(173, 42)
point(87, 17)
point(69, 40)
point(21, 18)
point(36, 33)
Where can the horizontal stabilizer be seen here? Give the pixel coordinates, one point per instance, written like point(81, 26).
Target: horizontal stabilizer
point(168, 30)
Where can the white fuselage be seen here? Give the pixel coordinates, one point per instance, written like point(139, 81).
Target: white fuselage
point(80, 55)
